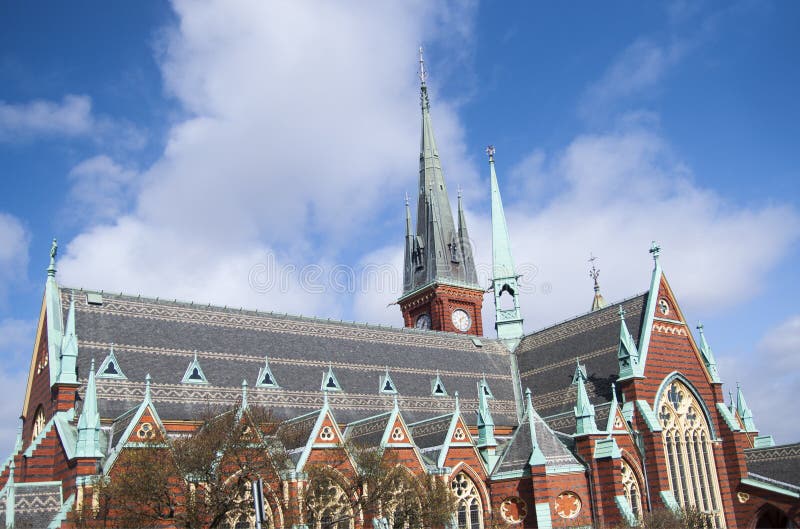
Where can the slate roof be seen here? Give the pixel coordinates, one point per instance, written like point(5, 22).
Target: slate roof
point(518, 452)
point(35, 505)
point(430, 435)
point(547, 358)
point(368, 432)
point(159, 337)
point(779, 463)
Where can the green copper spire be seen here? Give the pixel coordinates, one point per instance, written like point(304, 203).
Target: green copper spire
point(485, 419)
point(708, 356)
point(537, 456)
point(55, 320)
point(437, 253)
point(627, 353)
point(745, 414)
point(69, 349)
point(89, 422)
point(598, 302)
point(612, 410)
point(508, 317)
point(584, 410)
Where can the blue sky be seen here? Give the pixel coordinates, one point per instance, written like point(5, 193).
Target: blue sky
point(175, 149)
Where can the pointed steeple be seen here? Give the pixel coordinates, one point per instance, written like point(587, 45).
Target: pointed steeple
point(612, 410)
point(745, 414)
point(411, 251)
point(437, 251)
point(508, 317)
point(708, 356)
point(627, 353)
point(584, 410)
point(55, 320)
point(598, 302)
point(537, 456)
point(466, 243)
point(485, 419)
point(69, 349)
point(88, 444)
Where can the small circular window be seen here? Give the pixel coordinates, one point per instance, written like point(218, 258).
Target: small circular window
point(568, 505)
point(663, 306)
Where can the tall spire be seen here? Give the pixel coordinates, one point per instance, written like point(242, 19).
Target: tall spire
point(598, 302)
point(55, 321)
point(485, 419)
point(89, 421)
point(508, 317)
point(69, 349)
point(437, 253)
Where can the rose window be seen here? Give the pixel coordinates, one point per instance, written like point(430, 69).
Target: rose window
point(513, 510)
point(568, 505)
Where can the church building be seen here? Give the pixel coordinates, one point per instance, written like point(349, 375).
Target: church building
point(591, 422)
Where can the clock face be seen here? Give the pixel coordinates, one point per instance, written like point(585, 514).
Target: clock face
point(423, 322)
point(461, 320)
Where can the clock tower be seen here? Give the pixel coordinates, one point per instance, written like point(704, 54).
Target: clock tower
point(440, 286)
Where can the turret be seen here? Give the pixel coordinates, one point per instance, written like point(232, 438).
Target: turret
point(508, 317)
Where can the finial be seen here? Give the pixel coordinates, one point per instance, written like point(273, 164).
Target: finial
point(613, 389)
point(458, 405)
point(396, 405)
point(594, 273)
point(490, 152)
point(700, 326)
point(147, 386)
point(244, 393)
point(655, 249)
point(91, 369)
point(406, 198)
point(459, 191)
point(622, 313)
point(325, 398)
point(51, 270)
point(423, 75)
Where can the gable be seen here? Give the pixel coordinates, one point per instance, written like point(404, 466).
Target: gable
point(460, 435)
point(672, 346)
point(146, 429)
point(328, 433)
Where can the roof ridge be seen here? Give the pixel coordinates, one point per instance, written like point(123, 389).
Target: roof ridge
point(585, 314)
point(271, 313)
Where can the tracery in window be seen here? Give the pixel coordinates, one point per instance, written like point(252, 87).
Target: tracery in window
point(329, 507)
point(469, 514)
point(690, 456)
point(632, 487)
point(145, 431)
point(38, 422)
point(243, 514)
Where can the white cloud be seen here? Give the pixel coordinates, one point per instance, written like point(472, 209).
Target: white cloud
point(71, 117)
point(16, 340)
point(304, 120)
point(16, 343)
point(100, 189)
point(770, 378)
point(636, 71)
point(14, 241)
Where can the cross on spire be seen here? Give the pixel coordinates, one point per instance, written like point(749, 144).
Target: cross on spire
point(490, 152)
point(655, 250)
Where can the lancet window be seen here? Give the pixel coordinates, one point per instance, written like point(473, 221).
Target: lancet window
point(689, 453)
point(632, 487)
point(469, 514)
point(329, 507)
point(243, 514)
point(38, 423)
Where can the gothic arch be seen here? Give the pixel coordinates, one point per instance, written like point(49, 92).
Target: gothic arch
point(475, 477)
point(470, 510)
point(273, 510)
point(676, 375)
point(335, 501)
point(768, 515)
point(633, 484)
point(687, 437)
point(635, 465)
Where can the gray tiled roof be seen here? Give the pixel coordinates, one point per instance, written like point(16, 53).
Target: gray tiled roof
point(547, 358)
point(159, 337)
point(780, 463)
point(368, 432)
point(35, 505)
point(517, 453)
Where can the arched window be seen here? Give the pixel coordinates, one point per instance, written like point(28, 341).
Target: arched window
point(690, 456)
point(38, 423)
point(243, 513)
point(329, 507)
point(633, 489)
point(469, 514)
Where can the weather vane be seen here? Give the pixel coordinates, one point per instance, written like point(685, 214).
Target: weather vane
point(490, 151)
point(594, 273)
point(655, 249)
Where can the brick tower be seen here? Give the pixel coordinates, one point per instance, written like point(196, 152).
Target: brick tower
point(440, 286)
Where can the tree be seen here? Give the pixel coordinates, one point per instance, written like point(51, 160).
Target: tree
point(369, 483)
point(201, 479)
